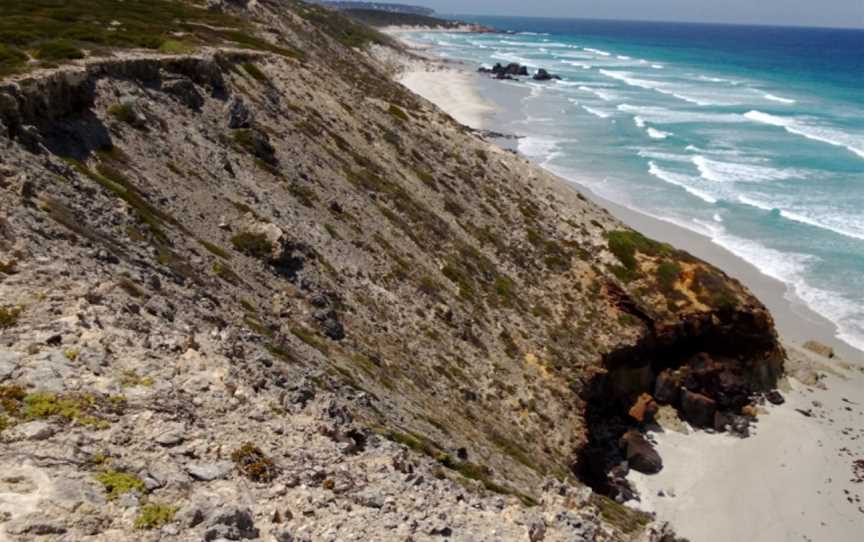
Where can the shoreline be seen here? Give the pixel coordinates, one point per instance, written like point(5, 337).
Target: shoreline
point(775, 485)
point(796, 322)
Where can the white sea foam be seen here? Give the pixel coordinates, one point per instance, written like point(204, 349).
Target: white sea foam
point(791, 269)
point(662, 115)
point(640, 122)
point(657, 66)
point(663, 88)
point(726, 172)
point(775, 98)
point(623, 57)
point(605, 96)
point(816, 133)
point(596, 112)
point(598, 52)
point(717, 218)
point(843, 224)
point(683, 181)
point(539, 148)
point(664, 156)
point(654, 133)
point(509, 57)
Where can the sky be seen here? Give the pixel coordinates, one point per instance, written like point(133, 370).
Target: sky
point(837, 13)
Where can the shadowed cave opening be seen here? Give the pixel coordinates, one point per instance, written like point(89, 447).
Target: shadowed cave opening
point(706, 368)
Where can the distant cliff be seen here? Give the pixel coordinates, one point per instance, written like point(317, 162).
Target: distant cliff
point(378, 6)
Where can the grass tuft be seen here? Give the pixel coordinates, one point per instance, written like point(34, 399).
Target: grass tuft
point(153, 516)
point(118, 483)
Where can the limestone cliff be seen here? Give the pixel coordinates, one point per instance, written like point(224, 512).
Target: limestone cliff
point(258, 288)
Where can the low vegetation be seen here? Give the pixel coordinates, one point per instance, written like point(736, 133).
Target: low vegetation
point(343, 29)
point(252, 462)
point(9, 316)
point(153, 516)
point(252, 244)
point(51, 31)
point(118, 483)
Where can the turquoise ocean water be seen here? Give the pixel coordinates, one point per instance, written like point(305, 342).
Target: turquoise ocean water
point(752, 136)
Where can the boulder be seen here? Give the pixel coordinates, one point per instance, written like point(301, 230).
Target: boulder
point(775, 398)
point(35, 430)
point(238, 113)
point(667, 387)
point(644, 409)
point(184, 90)
point(640, 454)
point(207, 472)
point(231, 523)
point(698, 409)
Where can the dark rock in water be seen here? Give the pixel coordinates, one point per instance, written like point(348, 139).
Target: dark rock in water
point(502, 72)
point(543, 75)
point(698, 409)
point(667, 388)
point(641, 455)
point(774, 397)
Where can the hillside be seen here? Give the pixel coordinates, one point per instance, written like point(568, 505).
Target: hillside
point(377, 18)
point(251, 287)
point(387, 7)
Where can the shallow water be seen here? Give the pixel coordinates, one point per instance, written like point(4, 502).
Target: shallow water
point(753, 136)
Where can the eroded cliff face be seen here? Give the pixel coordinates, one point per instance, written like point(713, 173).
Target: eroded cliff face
point(225, 246)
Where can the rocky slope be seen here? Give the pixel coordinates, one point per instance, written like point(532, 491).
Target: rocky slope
point(251, 294)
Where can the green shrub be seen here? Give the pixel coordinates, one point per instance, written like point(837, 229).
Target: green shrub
point(11, 59)
point(56, 50)
point(123, 112)
point(255, 72)
point(627, 519)
point(252, 244)
point(153, 515)
point(174, 47)
point(624, 244)
point(309, 338)
point(215, 249)
point(397, 112)
point(667, 274)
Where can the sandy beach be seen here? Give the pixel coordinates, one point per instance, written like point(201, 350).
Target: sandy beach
point(455, 89)
point(795, 477)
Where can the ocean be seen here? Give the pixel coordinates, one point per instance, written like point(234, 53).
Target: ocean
point(752, 136)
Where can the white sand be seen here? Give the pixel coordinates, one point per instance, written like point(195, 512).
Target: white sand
point(453, 91)
point(788, 481)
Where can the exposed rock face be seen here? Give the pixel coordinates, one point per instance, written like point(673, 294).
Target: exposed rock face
point(322, 264)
